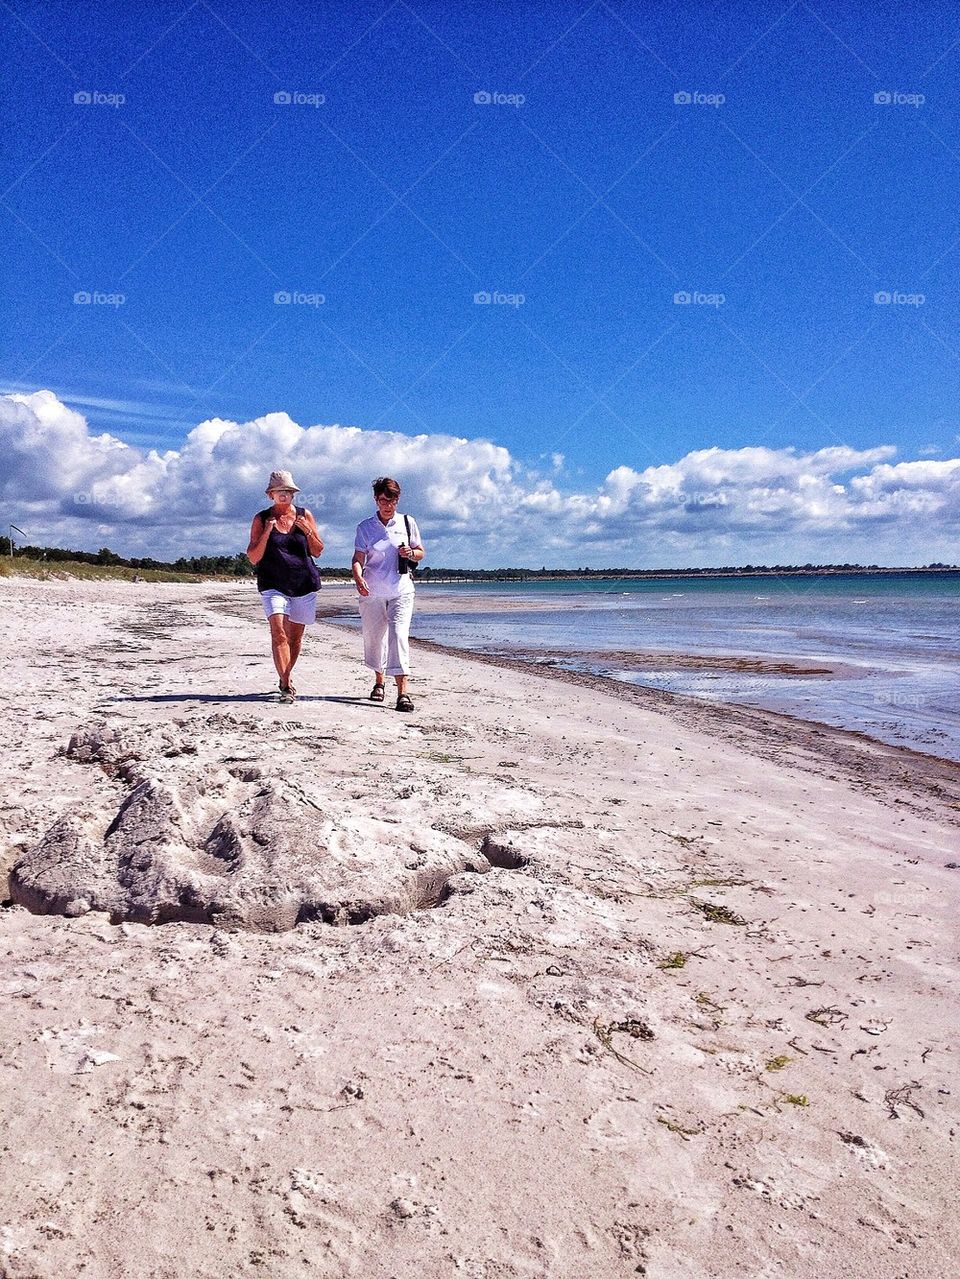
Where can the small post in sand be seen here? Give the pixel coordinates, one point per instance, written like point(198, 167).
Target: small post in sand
point(13, 529)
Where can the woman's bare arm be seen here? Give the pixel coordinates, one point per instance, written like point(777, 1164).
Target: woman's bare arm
point(260, 531)
point(308, 525)
point(359, 559)
point(413, 552)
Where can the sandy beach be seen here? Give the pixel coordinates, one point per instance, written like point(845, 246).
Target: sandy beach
point(552, 979)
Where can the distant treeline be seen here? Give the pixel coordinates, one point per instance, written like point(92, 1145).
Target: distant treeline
point(239, 566)
point(226, 565)
point(732, 570)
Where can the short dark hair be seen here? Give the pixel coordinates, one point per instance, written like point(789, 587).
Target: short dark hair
point(385, 486)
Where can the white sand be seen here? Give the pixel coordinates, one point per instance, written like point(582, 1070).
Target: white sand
point(506, 1081)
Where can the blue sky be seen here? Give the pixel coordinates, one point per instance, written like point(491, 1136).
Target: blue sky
point(783, 199)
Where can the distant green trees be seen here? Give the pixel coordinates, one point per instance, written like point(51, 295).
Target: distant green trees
point(221, 565)
point(240, 566)
point(208, 565)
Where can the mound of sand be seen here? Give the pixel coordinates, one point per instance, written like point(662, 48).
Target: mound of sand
point(227, 847)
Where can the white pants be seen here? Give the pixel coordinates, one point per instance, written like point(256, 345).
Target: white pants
point(386, 633)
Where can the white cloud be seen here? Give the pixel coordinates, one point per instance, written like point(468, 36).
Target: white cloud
point(476, 504)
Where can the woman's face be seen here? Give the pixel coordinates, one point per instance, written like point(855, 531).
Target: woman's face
point(387, 506)
point(281, 498)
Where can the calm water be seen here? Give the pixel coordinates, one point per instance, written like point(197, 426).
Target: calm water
point(898, 639)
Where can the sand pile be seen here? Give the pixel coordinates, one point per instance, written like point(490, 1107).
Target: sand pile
point(229, 846)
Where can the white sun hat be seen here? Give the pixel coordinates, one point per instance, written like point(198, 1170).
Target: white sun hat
point(281, 480)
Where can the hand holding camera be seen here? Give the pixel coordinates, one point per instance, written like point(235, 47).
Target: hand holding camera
point(406, 559)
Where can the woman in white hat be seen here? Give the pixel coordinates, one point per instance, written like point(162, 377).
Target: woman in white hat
point(283, 541)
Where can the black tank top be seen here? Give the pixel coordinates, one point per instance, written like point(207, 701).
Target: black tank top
point(286, 565)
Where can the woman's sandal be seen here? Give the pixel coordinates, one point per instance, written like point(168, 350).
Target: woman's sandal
point(404, 702)
point(377, 693)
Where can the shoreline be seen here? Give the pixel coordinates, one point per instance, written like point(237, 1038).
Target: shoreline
point(846, 747)
point(665, 575)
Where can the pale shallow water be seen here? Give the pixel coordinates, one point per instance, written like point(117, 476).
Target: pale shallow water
point(896, 640)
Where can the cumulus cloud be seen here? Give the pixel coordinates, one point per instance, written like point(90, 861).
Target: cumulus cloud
point(477, 503)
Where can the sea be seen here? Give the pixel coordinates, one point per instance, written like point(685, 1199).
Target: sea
point(877, 653)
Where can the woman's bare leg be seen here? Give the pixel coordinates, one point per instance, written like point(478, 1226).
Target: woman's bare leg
point(294, 631)
point(281, 646)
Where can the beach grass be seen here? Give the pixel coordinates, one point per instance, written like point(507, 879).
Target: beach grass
point(44, 570)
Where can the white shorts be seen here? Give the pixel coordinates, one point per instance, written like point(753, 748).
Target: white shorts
point(301, 609)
